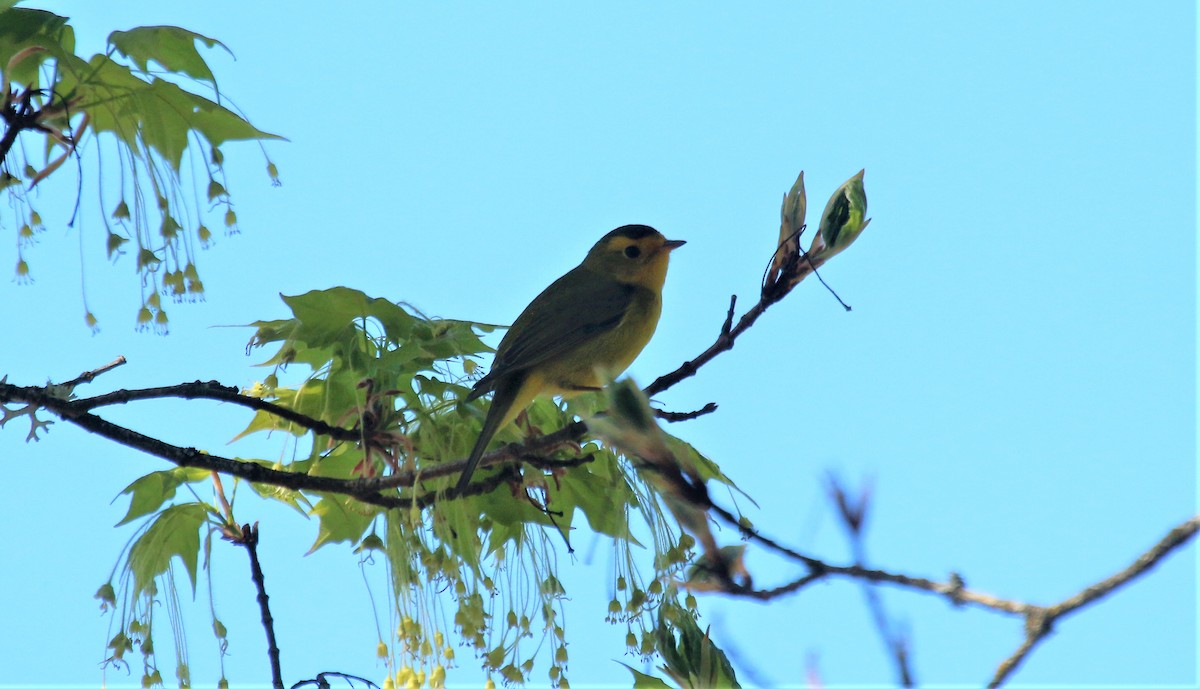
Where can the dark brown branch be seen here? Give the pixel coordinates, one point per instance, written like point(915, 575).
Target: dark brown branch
point(723, 343)
point(535, 447)
point(322, 680)
point(249, 540)
point(953, 589)
point(794, 271)
point(673, 416)
point(366, 490)
point(507, 474)
point(1039, 621)
point(191, 457)
point(19, 117)
point(214, 390)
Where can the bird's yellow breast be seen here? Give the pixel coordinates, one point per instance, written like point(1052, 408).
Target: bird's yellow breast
point(611, 352)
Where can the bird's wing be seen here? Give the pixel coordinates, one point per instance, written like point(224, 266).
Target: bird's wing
point(558, 320)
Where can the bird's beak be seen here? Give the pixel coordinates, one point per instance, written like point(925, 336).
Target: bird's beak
point(672, 244)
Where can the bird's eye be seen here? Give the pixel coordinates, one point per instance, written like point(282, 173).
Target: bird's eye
point(632, 251)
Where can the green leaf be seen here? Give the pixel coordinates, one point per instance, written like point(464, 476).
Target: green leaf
point(338, 462)
point(502, 509)
point(602, 501)
point(266, 421)
point(643, 681)
point(267, 332)
point(157, 112)
point(175, 532)
point(692, 660)
point(292, 498)
point(700, 464)
point(342, 518)
point(170, 46)
point(329, 316)
point(22, 28)
point(502, 534)
point(149, 492)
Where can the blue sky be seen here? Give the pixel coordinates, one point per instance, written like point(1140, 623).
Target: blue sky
point(1017, 377)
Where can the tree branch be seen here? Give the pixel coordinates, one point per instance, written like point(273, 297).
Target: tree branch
point(366, 490)
point(248, 539)
point(853, 513)
point(771, 294)
point(1039, 620)
point(214, 390)
point(188, 456)
point(89, 376)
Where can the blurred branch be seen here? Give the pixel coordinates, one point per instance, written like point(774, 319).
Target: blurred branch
point(1039, 619)
point(673, 416)
point(853, 514)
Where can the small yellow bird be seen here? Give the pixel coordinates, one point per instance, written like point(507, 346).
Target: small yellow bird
point(599, 316)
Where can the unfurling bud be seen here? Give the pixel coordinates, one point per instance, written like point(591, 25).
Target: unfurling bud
point(844, 218)
point(791, 222)
point(791, 213)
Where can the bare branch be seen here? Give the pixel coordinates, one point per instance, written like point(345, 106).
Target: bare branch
point(728, 335)
point(366, 490)
point(89, 376)
point(248, 539)
point(322, 680)
point(1039, 621)
point(853, 513)
point(214, 390)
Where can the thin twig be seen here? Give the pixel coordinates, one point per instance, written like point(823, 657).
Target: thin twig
point(366, 490)
point(89, 376)
point(187, 456)
point(322, 682)
point(1039, 621)
point(214, 390)
point(853, 515)
point(249, 540)
point(730, 333)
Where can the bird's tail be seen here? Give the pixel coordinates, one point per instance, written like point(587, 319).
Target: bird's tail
point(503, 409)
